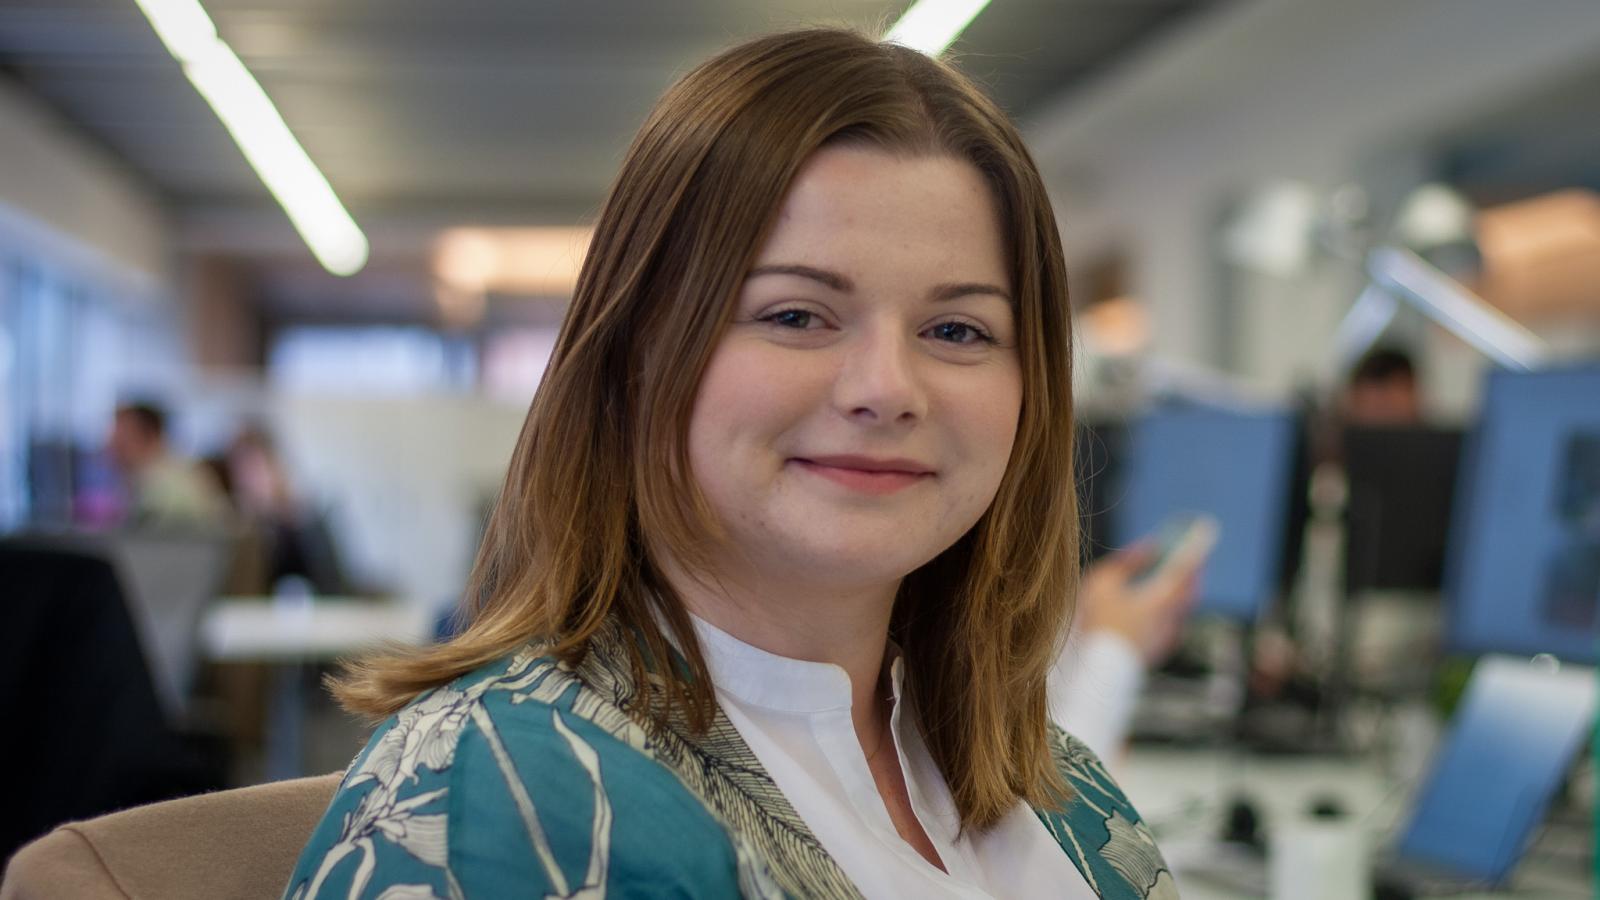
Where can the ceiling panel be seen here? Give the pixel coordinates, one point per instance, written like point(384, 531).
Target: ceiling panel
point(401, 99)
point(1537, 144)
point(425, 114)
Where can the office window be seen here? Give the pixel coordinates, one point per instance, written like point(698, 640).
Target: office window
point(370, 359)
point(71, 348)
point(514, 362)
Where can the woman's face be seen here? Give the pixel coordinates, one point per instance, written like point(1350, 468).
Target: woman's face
point(857, 415)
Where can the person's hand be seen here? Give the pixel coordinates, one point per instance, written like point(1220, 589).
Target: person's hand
point(1149, 614)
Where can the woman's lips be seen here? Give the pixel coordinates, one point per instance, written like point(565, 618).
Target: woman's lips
point(867, 476)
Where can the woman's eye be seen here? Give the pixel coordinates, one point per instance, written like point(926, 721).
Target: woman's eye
point(960, 333)
point(798, 319)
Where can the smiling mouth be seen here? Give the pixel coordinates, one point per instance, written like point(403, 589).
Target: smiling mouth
point(866, 476)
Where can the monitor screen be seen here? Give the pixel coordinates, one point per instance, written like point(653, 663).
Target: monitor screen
point(1511, 741)
point(1235, 467)
point(1402, 481)
point(1524, 569)
point(1101, 447)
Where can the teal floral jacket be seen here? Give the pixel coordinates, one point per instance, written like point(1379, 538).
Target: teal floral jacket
point(529, 778)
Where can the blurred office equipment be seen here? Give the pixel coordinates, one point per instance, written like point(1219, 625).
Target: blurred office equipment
point(1401, 483)
point(1401, 276)
point(170, 579)
point(1524, 569)
point(49, 466)
point(1471, 831)
point(1386, 616)
point(88, 733)
point(1100, 452)
point(1238, 468)
point(1512, 740)
point(167, 578)
point(1242, 468)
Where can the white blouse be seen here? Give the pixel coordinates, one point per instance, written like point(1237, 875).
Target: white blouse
point(795, 716)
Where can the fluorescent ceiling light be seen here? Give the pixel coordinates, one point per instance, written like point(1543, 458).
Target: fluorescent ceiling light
point(269, 147)
point(931, 26)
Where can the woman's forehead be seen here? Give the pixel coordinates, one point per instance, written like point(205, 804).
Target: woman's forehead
point(869, 214)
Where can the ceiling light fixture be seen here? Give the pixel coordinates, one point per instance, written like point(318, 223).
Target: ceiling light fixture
point(931, 26)
point(539, 261)
point(260, 132)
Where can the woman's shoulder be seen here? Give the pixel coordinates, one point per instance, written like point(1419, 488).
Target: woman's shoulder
point(1101, 830)
point(514, 779)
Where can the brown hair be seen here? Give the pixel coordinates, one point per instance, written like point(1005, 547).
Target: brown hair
point(602, 461)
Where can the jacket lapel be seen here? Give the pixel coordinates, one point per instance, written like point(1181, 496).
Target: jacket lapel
point(1100, 831)
point(720, 768)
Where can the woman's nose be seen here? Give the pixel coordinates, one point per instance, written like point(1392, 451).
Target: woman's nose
point(879, 381)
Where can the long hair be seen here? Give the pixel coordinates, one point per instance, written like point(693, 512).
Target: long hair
point(602, 461)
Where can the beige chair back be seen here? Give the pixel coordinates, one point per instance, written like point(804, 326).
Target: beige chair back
point(231, 844)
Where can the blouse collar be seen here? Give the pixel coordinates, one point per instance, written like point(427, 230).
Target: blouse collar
point(759, 678)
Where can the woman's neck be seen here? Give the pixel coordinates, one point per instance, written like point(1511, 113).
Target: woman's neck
point(847, 627)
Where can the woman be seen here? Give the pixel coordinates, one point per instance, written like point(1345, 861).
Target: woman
point(770, 597)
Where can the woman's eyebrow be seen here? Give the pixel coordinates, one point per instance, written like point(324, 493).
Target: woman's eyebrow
point(828, 279)
point(967, 289)
point(842, 284)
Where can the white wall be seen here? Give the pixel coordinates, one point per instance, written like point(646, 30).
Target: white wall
point(1145, 158)
point(404, 479)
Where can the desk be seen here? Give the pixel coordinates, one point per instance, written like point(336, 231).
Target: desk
point(294, 635)
point(318, 629)
point(1185, 794)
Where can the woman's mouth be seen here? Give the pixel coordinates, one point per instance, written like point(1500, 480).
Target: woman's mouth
point(867, 475)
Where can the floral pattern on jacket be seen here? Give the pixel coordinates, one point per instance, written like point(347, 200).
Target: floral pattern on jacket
point(534, 778)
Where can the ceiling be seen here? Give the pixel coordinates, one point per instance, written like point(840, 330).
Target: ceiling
point(1533, 145)
point(430, 114)
point(424, 114)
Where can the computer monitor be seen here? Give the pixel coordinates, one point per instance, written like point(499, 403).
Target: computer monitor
point(1100, 450)
point(1511, 741)
point(1524, 563)
point(1237, 467)
point(1402, 481)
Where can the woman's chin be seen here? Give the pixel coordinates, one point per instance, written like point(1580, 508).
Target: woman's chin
point(845, 564)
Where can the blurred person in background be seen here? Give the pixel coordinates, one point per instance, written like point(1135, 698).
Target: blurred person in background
point(259, 482)
point(291, 541)
point(164, 489)
point(262, 495)
point(781, 566)
point(1383, 390)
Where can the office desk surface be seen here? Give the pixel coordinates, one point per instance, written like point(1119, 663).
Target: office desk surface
point(1185, 795)
point(262, 629)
